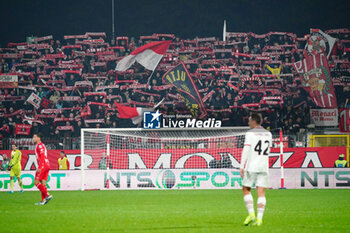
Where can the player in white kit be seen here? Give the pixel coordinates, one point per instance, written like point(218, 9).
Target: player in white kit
point(254, 168)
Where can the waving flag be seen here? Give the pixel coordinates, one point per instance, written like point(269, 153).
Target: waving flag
point(187, 89)
point(319, 42)
point(126, 112)
point(134, 113)
point(316, 79)
point(148, 56)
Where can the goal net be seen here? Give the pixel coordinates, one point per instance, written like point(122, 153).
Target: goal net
point(116, 158)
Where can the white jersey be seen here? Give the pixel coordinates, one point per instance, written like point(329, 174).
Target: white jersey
point(256, 151)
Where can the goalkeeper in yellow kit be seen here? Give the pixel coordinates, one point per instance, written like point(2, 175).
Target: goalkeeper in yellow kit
point(15, 168)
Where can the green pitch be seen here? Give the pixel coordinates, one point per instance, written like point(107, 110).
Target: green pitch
point(174, 211)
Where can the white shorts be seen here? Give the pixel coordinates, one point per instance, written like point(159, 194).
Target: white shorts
point(260, 179)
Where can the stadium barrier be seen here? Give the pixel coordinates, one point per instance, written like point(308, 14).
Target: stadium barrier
point(295, 178)
point(332, 140)
point(318, 157)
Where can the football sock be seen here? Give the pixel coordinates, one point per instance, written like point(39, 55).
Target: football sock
point(20, 183)
point(261, 207)
point(46, 194)
point(248, 200)
point(43, 190)
point(11, 184)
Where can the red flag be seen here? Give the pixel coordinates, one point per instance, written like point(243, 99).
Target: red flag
point(316, 79)
point(148, 55)
point(126, 112)
point(23, 129)
point(134, 113)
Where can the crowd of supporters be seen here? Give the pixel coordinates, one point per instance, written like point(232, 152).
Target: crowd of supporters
point(77, 84)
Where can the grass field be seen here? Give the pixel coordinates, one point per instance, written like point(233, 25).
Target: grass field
point(174, 211)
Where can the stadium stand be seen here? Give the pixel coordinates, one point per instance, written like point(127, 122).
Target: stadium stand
point(75, 79)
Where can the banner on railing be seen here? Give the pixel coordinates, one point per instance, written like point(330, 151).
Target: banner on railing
point(318, 157)
point(295, 178)
point(324, 117)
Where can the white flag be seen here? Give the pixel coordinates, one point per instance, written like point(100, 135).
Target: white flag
point(148, 55)
point(319, 42)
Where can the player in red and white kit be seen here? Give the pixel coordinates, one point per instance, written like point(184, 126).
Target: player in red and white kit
point(42, 172)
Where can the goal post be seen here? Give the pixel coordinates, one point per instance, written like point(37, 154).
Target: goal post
point(112, 158)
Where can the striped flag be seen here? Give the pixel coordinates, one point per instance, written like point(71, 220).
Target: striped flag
point(148, 56)
point(134, 113)
point(316, 79)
